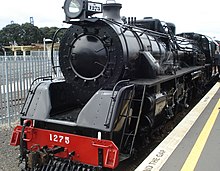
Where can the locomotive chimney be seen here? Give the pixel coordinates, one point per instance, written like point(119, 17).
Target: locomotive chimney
point(111, 10)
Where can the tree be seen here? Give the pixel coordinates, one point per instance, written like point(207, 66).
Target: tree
point(26, 34)
point(31, 34)
point(49, 32)
point(11, 34)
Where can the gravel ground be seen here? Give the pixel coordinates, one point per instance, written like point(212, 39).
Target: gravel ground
point(8, 154)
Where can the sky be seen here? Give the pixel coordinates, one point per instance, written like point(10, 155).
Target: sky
point(189, 15)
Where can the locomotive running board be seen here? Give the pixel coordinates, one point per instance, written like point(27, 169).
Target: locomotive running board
point(164, 78)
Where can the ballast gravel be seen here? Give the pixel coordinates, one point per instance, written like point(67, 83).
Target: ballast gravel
point(8, 154)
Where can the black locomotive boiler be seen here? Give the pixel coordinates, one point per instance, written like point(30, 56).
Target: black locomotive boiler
point(122, 79)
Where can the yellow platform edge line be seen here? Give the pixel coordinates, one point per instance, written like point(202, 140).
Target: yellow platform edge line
point(157, 158)
point(197, 149)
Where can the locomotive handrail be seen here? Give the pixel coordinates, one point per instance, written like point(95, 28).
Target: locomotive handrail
point(33, 92)
point(117, 84)
point(111, 106)
point(53, 41)
point(126, 44)
point(151, 32)
point(139, 40)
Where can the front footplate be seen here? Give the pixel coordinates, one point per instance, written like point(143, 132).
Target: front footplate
point(78, 149)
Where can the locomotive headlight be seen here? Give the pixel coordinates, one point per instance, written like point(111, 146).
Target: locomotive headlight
point(73, 8)
point(80, 9)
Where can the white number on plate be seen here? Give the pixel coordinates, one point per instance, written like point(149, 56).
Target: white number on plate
point(59, 138)
point(94, 7)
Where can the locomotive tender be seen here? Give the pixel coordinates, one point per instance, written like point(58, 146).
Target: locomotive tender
point(122, 79)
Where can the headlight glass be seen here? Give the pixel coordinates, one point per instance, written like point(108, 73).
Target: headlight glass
point(74, 6)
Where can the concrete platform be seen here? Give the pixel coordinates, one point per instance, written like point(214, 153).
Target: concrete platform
point(195, 142)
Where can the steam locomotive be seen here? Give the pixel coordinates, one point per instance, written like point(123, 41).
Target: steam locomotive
point(122, 79)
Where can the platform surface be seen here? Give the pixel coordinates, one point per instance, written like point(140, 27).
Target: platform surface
point(194, 144)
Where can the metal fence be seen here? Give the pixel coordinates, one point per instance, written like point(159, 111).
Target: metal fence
point(16, 76)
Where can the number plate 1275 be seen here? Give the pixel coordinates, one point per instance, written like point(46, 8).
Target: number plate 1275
point(59, 138)
point(95, 7)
